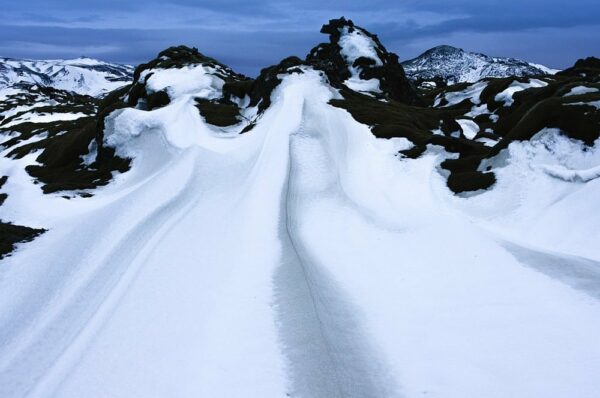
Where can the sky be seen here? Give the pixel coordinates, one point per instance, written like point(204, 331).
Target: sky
point(249, 35)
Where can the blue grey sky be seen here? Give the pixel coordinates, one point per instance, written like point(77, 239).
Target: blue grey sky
point(249, 35)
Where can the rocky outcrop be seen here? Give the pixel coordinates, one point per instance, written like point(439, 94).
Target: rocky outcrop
point(355, 52)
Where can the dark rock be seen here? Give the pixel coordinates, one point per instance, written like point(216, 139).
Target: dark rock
point(218, 114)
point(470, 181)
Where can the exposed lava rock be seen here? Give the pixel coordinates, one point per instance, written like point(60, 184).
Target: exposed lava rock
point(219, 114)
point(11, 234)
point(261, 89)
point(470, 181)
point(587, 68)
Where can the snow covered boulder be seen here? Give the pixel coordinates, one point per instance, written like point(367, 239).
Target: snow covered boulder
point(176, 71)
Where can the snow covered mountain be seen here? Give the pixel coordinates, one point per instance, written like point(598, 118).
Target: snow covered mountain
point(454, 65)
point(324, 230)
point(82, 75)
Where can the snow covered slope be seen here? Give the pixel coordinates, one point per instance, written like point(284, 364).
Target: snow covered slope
point(207, 235)
point(455, 65)
point(82, 75)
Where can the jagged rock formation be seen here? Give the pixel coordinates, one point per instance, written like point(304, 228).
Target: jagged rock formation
point(356, 59)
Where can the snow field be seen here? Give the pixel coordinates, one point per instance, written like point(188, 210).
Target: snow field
point(304, 259)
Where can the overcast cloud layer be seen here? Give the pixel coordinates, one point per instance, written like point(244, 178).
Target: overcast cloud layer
point(250, 35)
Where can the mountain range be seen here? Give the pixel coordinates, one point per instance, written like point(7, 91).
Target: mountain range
point(82, 75)
point(330, 228)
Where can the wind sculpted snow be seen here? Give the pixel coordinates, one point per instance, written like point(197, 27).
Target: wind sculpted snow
point(301, 259)
point(201, 234)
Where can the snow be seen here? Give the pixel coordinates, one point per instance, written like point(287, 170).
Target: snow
point(549, 202)
point(361, 85)
point(472, 93)
point(506, 96)
point(23, 108)
point(82, 61)
point(580, 90)
point(43, 118)
point(487, 141)
point(545, 69)
point(572, 175)
point(595, 104)
point(477, 110)
point(354, 45)
point(6, 92)
point(197, 79)
point(469, 127)
point(302, 258)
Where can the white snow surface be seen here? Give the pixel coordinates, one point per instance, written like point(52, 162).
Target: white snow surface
point(43, 118)
point(580, 90)
point(595, 104)
point(506, 96)
point(301, 259)
point(191, 79)
point(545, 69)
point(472, 93)
point(469, 127)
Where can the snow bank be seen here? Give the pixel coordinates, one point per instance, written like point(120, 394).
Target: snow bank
point(43, 118)
point(563, 173)
point(506, 96)
point(356, 44)
point(545, 69)
point(472, 93)
point(595, 104)
point(469, 127)
point(198, 80)
point(580, 90)
point(559, 176)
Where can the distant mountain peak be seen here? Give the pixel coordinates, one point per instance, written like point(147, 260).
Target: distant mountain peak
point(444, 49)
point(455, 65)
